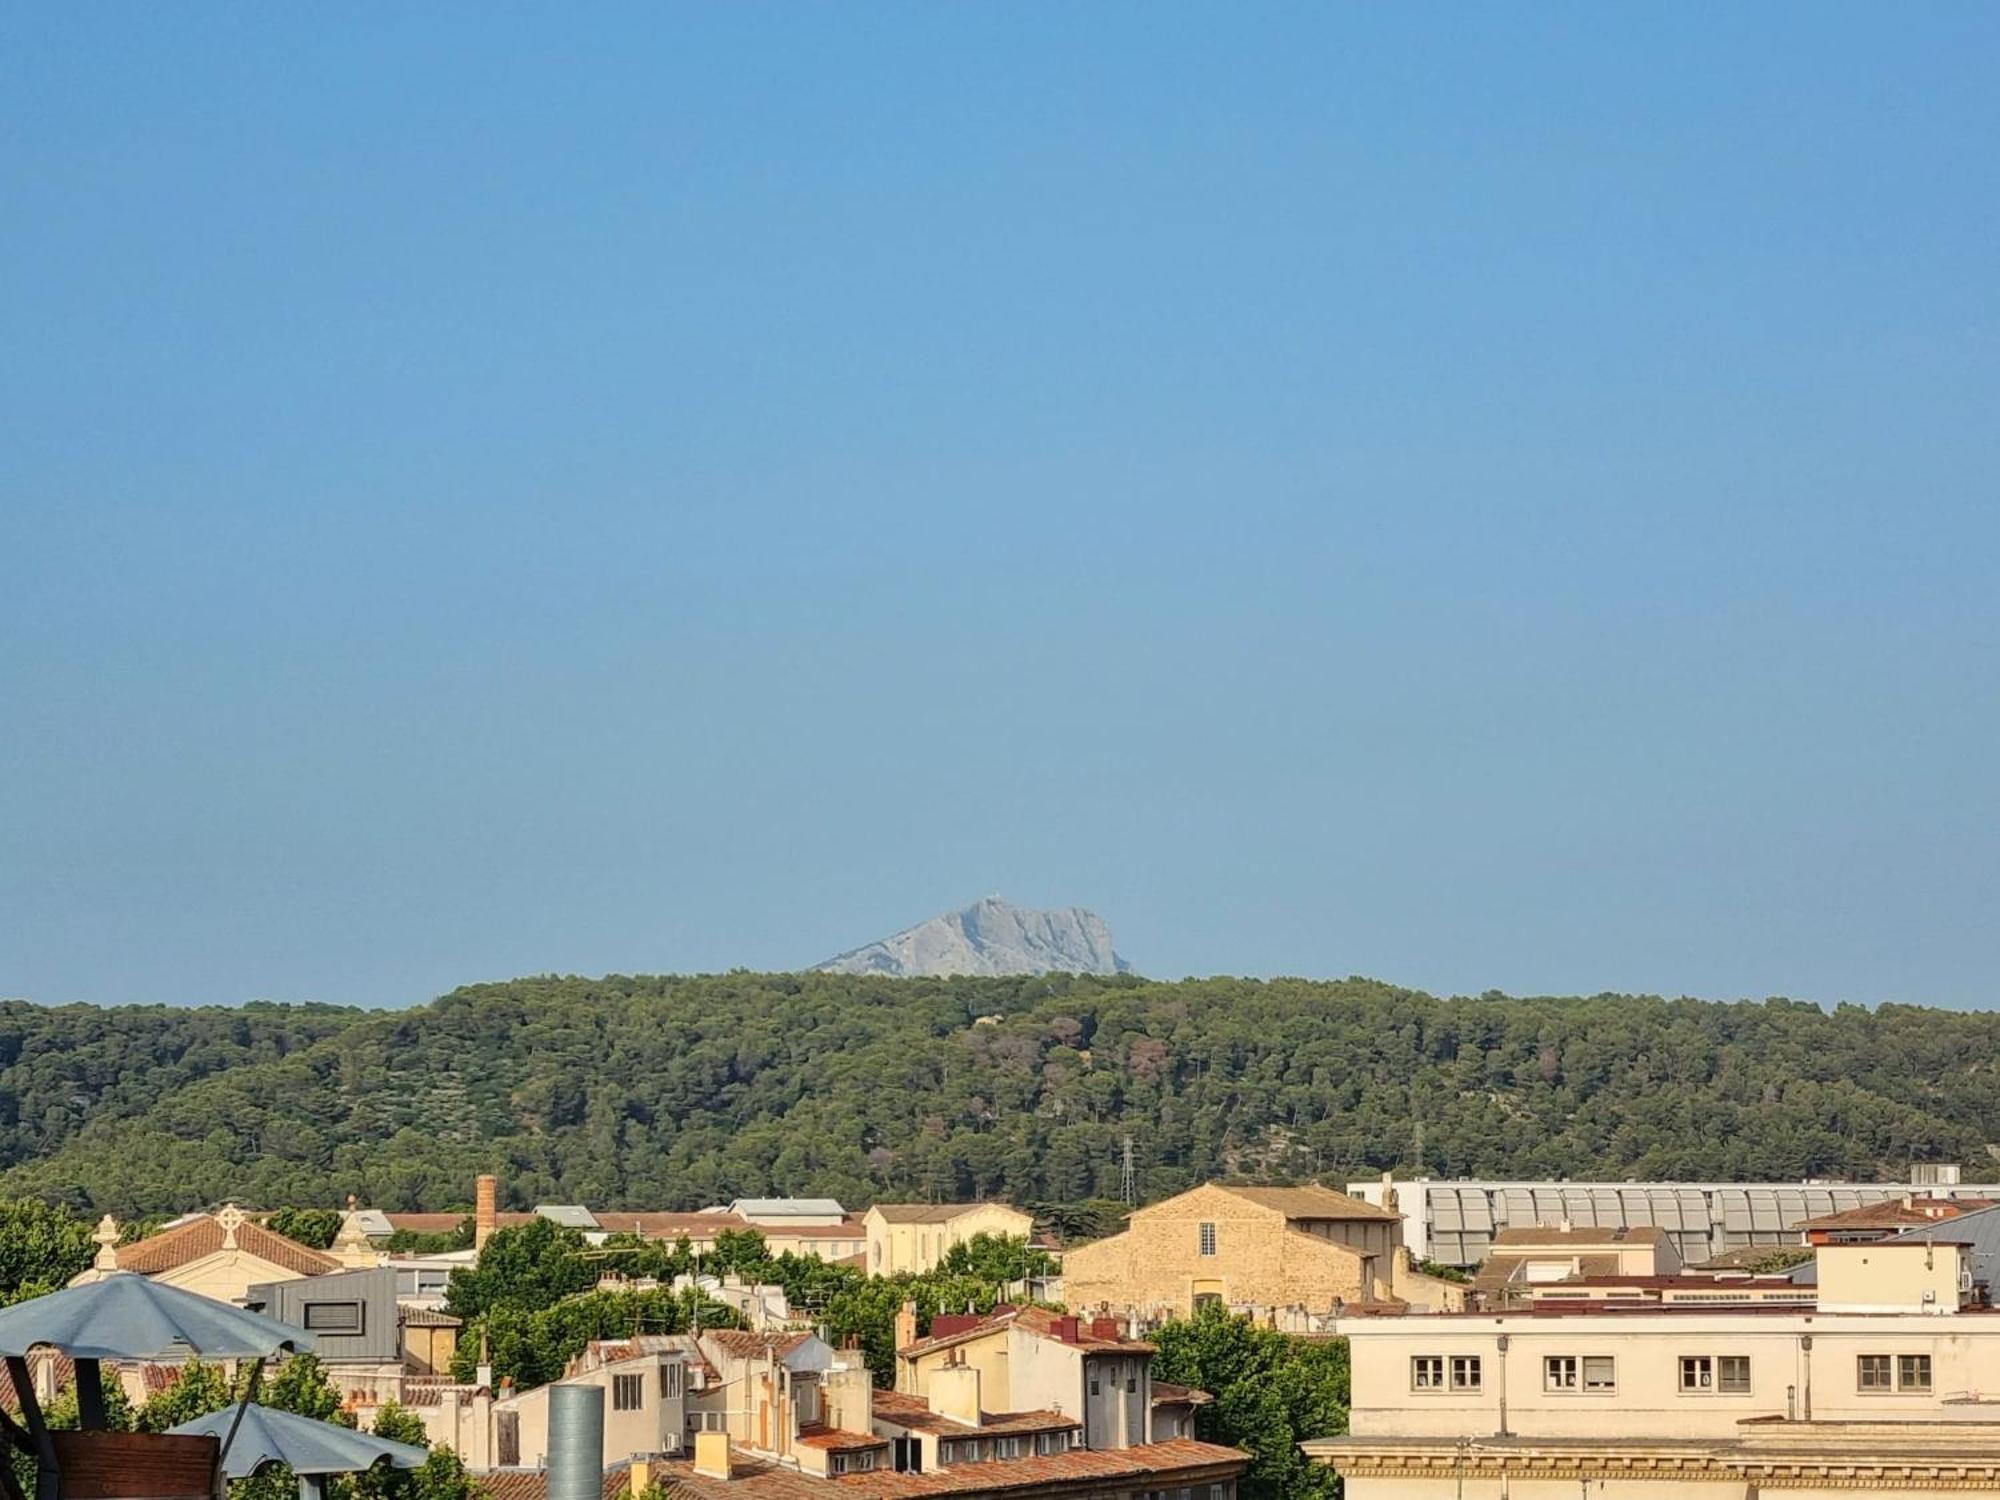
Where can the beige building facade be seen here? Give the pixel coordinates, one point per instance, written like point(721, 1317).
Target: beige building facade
point(1887, 1384)
point(915, 1237)
point(1253, 1249)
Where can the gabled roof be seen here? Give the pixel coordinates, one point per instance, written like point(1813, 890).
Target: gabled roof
point(934, 1213)
point(1311, 1202)
point(818, 1208)
point(1035, 1320)
point(741, 1344)
point(204, 1235)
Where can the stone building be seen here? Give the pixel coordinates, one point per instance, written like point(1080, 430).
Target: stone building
point(1261, 1249)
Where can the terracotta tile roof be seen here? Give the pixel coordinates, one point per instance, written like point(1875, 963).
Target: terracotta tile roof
point(432, 1392)
point(1007, 1423)
point(741, 1344)
point(426, 1317)
point(448, 1223)
point(1894, 1214)
point(1166, 1393)
point(833, 1440)
point(1080, 1466)
point(846, 1229)
point(61, 1377)
point(204, 1236)
point(930, 1213)
point(913, 1412)
point(1312, 1202)
point(1037, 1320)
point(533, 1484)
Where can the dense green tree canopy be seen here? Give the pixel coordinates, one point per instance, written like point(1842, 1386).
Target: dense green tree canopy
point(41, 1248)
point(1272, 1391)
point(680, 1092)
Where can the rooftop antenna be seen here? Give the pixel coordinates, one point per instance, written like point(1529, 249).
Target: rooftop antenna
point(1128, 1185)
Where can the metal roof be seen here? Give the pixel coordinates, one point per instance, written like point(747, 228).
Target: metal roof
point(129, 1316)
point(306, 1446)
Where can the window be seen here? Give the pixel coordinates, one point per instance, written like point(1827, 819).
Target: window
point(1702, 1374)
point(628, 1392)
point(1007, 1447)
point(333, 1317)
point(1093, 1385)
point(1879, 1374)
point(670, 1379)
point(1465, 1372)
point(1131, 1384)
point(1207, 1299)
point(1588, 1372)
point(1208, 1239)
point(853, 1463)
point(507, 1438)
point(1427, 1372)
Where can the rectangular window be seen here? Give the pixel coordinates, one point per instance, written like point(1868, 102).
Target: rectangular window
point(1697, 1373)
point(333, 1317)
point(1913, 1372)
point(670, 1379)
point(1589, 1372)
point(1007, 1447)
point(1732, 1374)
point(1426, 1372)
point(1465, 1372)
point(1093, 1385)
point(1208, 1239)
point(1873, 1372)
point(1131, 1385)
point(628, 1392)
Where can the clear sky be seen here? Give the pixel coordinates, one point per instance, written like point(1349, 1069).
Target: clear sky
point(1483, 496)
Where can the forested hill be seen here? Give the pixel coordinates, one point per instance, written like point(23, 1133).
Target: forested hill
point(674, 1093)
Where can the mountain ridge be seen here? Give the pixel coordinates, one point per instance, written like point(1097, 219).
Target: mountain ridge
point(991, 938)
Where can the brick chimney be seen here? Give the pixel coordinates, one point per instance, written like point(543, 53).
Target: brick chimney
point(485, 1208)
point(906, 1325)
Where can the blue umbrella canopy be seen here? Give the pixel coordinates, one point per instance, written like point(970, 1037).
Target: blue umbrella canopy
point(270, 1436)
point(127, 1316)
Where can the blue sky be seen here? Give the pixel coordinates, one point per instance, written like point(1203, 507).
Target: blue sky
point(1486, 497)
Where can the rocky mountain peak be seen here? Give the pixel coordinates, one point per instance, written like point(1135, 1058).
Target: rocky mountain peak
point(990, 937)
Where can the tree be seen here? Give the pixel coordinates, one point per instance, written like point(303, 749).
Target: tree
point(41, 1248)
point(399, 1424)
point(999, 1258)
point(199, 1389)
point(314, 1227)
point(1272, 1391)
point(529, 1267)
point(300, 1385)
